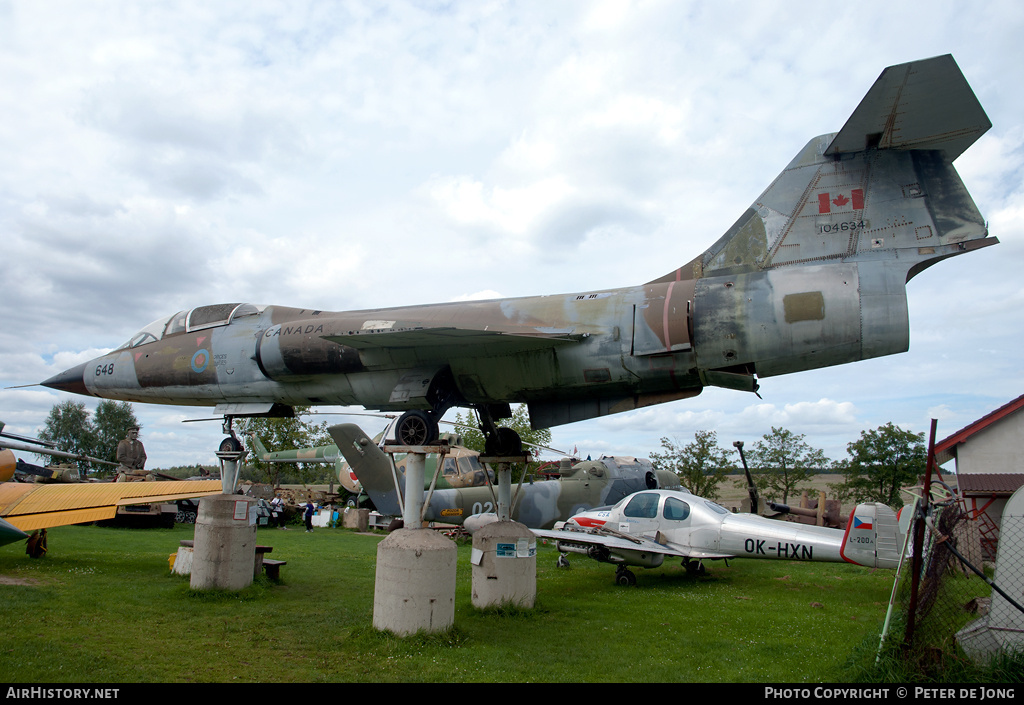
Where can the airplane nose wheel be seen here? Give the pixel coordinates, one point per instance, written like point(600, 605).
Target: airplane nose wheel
point(416, 428)
point(230, 445)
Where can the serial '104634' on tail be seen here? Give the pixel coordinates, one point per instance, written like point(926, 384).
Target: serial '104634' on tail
point(812, 274)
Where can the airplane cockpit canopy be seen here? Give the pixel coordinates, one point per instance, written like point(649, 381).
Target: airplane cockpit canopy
point(644, 505)
point(194, 319)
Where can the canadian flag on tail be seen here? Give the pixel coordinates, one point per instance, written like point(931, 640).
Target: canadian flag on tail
point(841, 201)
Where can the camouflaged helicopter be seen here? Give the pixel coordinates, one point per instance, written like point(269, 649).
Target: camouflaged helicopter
point(575, 487)
point(459, 468)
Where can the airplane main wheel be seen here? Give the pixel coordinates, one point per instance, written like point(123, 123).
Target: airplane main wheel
point(506, 442)
point(416, 428)
point(625, 578)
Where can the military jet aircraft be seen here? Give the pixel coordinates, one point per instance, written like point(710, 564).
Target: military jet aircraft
point(644, 528)
point(812, 274)
point(580, 486)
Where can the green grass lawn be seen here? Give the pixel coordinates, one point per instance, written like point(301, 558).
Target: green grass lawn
point(103, 607)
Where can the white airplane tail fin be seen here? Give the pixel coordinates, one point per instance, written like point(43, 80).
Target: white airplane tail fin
point(873, 537)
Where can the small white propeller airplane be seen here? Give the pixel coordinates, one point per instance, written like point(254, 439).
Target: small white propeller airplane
point(645, 527)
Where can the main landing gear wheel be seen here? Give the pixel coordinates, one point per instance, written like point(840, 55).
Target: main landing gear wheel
point(503, 442)
point(416, 428)
point(624, 577)
point(695, 568)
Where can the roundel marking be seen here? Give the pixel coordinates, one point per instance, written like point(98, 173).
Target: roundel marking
point(200, 360)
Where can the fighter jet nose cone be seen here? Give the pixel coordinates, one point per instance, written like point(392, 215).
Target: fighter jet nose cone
point(69, 381)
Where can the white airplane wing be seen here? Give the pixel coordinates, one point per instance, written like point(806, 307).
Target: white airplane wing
point(616, 542)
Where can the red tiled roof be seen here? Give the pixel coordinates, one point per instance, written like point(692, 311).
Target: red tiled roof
point(945, 449)
point(987, 483)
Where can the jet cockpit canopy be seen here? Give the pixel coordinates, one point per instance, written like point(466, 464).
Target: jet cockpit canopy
point(191, 320)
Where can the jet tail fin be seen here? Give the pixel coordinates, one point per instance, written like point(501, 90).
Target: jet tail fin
point(814, 272)
point(873, 537)
point(883, 183)
point(370, 464)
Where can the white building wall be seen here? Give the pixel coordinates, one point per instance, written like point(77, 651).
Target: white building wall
point(997, 449)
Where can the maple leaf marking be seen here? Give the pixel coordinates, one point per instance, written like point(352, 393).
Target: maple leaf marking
point(841, 200)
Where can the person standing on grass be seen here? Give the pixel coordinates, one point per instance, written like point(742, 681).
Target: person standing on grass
point(309, 515)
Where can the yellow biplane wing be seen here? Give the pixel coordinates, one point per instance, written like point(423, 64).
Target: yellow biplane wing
point(31, 506)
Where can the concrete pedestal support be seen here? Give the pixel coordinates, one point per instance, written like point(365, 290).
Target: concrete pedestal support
point(504, 565)
point(358, 519)
point(415, 584)
point(225, 543)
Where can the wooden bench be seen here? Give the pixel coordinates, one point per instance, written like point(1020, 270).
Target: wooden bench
point(273, 568)
point(268, 565)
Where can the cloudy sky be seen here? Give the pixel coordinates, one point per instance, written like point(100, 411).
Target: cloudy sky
point(341, 155)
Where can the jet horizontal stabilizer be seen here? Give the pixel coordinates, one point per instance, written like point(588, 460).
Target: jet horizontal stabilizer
point(925, 104)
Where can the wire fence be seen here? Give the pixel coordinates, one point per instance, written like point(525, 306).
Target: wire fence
point(946, 610)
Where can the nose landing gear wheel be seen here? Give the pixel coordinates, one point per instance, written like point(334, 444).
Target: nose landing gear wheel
point(231, 445)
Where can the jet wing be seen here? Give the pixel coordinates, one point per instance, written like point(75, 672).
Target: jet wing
point(618, 542)
point(491, 341)
point(31, 506)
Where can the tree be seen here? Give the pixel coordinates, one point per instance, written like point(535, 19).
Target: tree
point(781, 461)
point(283, 434)
point(111, 422)
point(700, 465)
point(69, 428)
point(881, 463)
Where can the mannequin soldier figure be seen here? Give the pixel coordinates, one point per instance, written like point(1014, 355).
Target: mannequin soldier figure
point(132, 457)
